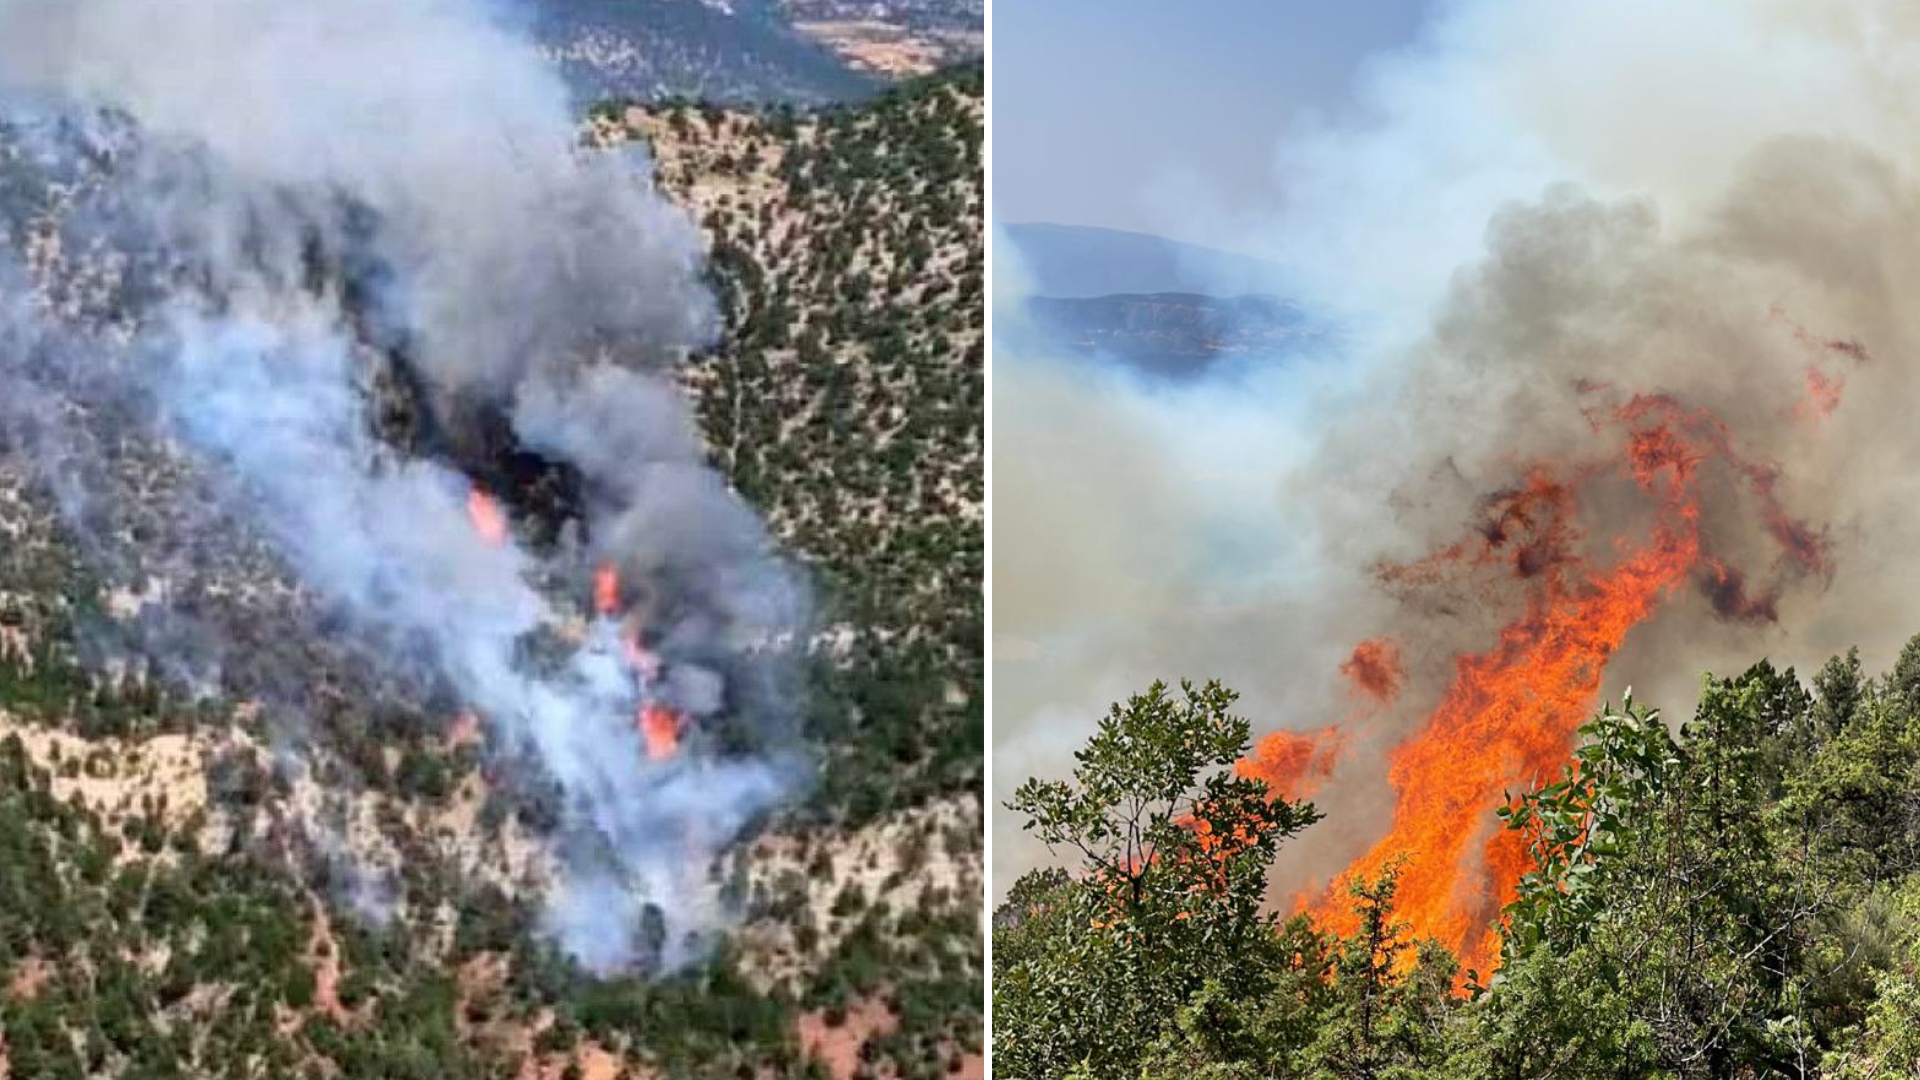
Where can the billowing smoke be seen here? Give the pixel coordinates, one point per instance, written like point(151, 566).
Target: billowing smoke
point(1620, 289)
point(350, 261)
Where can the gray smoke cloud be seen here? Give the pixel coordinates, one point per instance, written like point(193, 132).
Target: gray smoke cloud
point(1546, 210)
point(319, 216)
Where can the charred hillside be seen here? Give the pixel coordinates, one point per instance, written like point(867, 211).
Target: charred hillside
point(272, 848)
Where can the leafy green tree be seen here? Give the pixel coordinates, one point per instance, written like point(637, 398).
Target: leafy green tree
point(1838, 690)
point(1387, 1018)
point(1904, 682)
point(1855, 799)
point(1658, 880)
point(1886, 1041)
point(1172, 849)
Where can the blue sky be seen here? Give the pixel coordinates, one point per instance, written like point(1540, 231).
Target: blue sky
point(1111, 112)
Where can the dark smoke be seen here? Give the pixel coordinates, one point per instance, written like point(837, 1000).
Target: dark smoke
point(1544, 215)
point(323, 269)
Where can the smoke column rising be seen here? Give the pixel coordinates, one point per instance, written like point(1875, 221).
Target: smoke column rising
point(319, 188)
point(1550, 216)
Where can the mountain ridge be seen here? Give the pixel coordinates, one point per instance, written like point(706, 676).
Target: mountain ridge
point(1086, 261)
point(1173, 334)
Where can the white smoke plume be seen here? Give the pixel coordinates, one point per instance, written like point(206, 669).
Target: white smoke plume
point(1544, 210)
point(322, 209)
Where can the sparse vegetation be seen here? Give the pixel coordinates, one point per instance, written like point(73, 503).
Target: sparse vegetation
point(847, 400)
point(183, 893)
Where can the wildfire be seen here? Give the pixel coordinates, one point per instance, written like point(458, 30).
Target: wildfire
point(1374, 669)
point(659, 726)
point(1294, 764)
point(1822, 387)
point(660, 730)
point(489, 519)
point(1509, 714)
point(606, 590)
point(1823, 394)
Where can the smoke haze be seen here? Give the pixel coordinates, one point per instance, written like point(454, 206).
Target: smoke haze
point(284, 224)
point(1550, 210)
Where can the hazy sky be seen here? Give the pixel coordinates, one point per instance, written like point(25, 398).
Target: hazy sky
point(1109, 112)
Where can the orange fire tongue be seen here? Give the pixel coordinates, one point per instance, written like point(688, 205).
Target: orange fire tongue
point(1293, 764)
point(660, 730)
point(659, 726)
point(606, 589)
point(489, 520)
point(1510, 714)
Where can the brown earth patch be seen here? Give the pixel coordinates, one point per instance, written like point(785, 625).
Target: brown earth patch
point(838, 1046)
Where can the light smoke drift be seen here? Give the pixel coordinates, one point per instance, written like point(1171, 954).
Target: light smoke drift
point(322, 198)
point(1627, 400)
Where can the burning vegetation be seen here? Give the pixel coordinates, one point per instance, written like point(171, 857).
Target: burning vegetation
point(447, 413)
point(435, 848)
point(1742, 889)
point(1509, 714)
point(1636, 416)
point(659, 724)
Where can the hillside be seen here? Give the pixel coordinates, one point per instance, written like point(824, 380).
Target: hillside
point(1081, 261)
point(894, 37)
point(207, 872)
point(712, 50)
point(1174, 335)
point(797, 52)
point(847, 402)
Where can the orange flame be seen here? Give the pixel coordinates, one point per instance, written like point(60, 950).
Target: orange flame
point(1374, 669)
point(489, 520)
point(660, 730)
point(606, 589)
point(1293, 764)
point(1823, 395)
point(1510, 714)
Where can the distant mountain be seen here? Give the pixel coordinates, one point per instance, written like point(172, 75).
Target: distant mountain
point(894, 38)
point(728, 51)
point(1171, 333)
point(1083, 261)
point(918, 14)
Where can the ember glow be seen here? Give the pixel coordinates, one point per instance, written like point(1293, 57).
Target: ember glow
point(660, 729)
point(426, 366)
point(606, 589)
point(1825, 375)
point(1823, 394)
point(489, 520)
point(1508, 716)
point(1374, 669)
point(660, 726)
